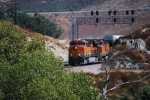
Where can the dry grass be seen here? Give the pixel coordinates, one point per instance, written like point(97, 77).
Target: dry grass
point(145, 35)
point(45, 37)
point(48, 38)
point(119, 77)
point(134, 55)
point(146, 26)
point(146, 68)
point(119, 48)
point(31, 33)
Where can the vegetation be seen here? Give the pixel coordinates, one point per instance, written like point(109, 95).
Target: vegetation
point(126, 91)
point(39, 24)
point(143, 93)
point(28, 72)
point(36, 23)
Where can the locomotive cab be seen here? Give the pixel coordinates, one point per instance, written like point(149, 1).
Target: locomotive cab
point(77, 43)
point(104, 47)
point(76, 51)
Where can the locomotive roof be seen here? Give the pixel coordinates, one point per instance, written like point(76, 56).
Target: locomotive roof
point(78, 40)
point(91, 39)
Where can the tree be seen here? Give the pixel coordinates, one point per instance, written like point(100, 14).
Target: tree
point(39, 24)
point(12, 42)
point(80, 83)
point(104, 90)
point(36, 74)
point(1, 14)
point(13, 10)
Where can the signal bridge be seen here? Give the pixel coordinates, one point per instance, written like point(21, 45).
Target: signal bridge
point(110, 17)
point(105, 20)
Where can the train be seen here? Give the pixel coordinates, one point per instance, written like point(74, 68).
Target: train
point(84, 51)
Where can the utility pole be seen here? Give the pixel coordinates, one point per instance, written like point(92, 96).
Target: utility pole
point(74, 28)
point(15, 16)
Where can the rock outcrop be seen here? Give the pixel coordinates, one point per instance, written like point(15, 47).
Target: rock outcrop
point(132, 53)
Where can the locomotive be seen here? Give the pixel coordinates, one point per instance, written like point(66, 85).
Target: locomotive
point(85, 51)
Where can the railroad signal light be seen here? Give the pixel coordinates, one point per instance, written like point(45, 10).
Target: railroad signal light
point(132, 12)
point(115, 20)
point(132, 20)
point(92, 13)
point(97, 13)
point(115, 12)
point(109, 12)
point(97, 20)
point(127, 12)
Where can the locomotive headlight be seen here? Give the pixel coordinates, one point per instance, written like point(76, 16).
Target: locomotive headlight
point(76, 48)
point(79, 54)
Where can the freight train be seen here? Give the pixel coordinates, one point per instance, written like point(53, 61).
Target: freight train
point(85, 51)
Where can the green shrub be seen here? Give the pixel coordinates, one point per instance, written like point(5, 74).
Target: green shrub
point(12, 42)
point(143, 93)
point(125, 97)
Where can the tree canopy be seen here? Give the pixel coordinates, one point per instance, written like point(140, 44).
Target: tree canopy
point(39, 24)
point(29, 72)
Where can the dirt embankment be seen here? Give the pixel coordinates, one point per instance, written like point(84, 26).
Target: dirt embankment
point(58, 47)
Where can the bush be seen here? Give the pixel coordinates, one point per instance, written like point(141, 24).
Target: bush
point(12, 42)
point(143, 93)
point(125, 97)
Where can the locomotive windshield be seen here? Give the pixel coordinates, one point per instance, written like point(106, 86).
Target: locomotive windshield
point(100, 43)
point(78, 42)
point(74, 43)
point(81, 43)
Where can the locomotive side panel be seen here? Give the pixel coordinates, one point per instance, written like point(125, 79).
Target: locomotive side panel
point(87, 51)
point(108, 48)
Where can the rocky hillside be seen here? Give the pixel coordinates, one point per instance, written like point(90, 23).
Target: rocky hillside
point(135, 55)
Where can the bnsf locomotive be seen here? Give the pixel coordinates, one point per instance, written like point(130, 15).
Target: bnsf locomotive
point(84, 51)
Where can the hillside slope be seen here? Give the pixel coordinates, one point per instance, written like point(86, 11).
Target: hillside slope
point(88, 31)
point(99, 31)
point(136, 55)
point(58, 47)
point(74, 5)
point(92, 31)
